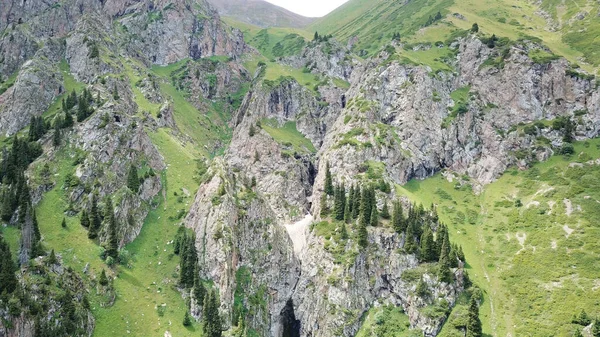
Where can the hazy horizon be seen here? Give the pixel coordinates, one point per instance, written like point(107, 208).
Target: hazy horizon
point(309, 8)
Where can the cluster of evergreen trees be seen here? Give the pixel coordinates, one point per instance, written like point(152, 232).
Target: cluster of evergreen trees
point(189, 278)
point(321, 38)
point(8, 281)
point(93, 220)
point(83, 103)
point(424, 236)
point(432, 19)
point(37, 128)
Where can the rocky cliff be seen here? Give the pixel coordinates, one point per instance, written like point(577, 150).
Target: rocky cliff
point(396, 122)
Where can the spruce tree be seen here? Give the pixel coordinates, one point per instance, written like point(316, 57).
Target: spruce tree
point(385, 212)
point(356, 201)
point(347, 212)
point(324, 208)
point(328, 180)
point(199, 289)
point(596, 328)
point(187, 321)
point(133, 182)
point(473, 322)
point(374, 219)
point(103, 280)
point(63, 224)
point(344, 232)
point(365, 207)
point(428, 247)
point(350, 201)
point(112, 246)
point(84, 219)
point(68, 122)
point(444, 273)
point(410, 245)
point(8, 280)
point(398, 218)
point(52, 260)
point(95, 219)
point(56, 137)
point(211, 322)
point(340, 201)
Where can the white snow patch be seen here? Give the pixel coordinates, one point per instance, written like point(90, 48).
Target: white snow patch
point(298, 232)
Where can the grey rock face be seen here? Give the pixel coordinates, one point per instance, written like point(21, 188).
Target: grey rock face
point(36, 86)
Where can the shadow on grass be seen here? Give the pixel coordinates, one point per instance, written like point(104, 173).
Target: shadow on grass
point(127, 277)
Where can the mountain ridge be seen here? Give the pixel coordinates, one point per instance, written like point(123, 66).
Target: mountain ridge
point(260, 13)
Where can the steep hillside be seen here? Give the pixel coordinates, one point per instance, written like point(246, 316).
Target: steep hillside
point(569, 28)
point(398, 168)
point(260, 13)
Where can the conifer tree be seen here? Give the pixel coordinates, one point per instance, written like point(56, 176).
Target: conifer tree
point(56, 137)
point(347, 212)
point(363, 234)
point(340, 201)
point(187, 321)
point(211, 322)
point(473, 322)
point(103, 280)
point(8, 280)
point(199, 289)
point(84, 219)
point(596, 328)
point(115, 92)
point(374, 219)
point(68, 121)
point(444, 273)
point(344, 232)
point(356, 201)
point(328, 180)
point(95, 219)
point(133, 181)
point(350, 200)
point(365, 207)
point(410, 245)
point(385, 212)
point(398, 218)
point(63, 224)
point(428, 247)
point(324, 208)
point(52, 260)
point(112, 246)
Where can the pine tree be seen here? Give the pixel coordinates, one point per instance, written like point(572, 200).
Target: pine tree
point(63, 224)
point(473, 322)
point(398, 218)
point(340, 201)
point(187, 321)
point(410, 245)
point(475, 28)
point(328, 180)
point(95, 220)
point(199, 290)
point(103, 280)
point(68, 121)
point(365, 207)
point(316, 36)
point(52, 260)
point(356, 201)
point(324, 208)
point(344, 232)
point(8, 280)
point(444, 273)
point(385, 212)
point(363, 234)
point(374, 219)
point(350, 201)
point(596, 328)
point(211, 323)
point(112, 247)
point(84, 219)
point(115, 92)
point(347, 212)
point(133, 182)
point(428, 247)
point(56, 137)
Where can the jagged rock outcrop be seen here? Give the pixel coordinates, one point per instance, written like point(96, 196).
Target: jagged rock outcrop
point(327, 57)
point(54, 301)
point(238, 237)
point(404, 116)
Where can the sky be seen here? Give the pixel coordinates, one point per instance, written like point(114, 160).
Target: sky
point(310, 8)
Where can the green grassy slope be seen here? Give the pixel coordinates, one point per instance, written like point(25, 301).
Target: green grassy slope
point(530, 240)
point(569, 33)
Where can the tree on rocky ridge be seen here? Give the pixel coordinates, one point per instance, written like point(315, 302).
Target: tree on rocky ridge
point(328, 180)
point(133, 181)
